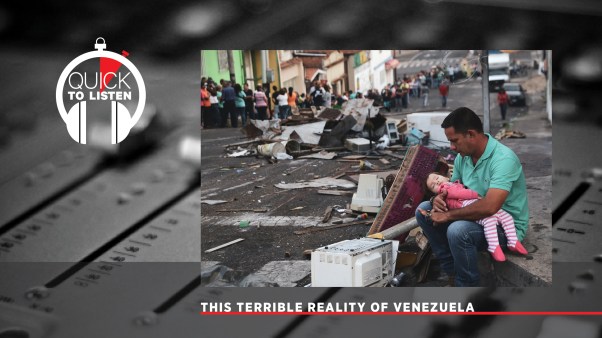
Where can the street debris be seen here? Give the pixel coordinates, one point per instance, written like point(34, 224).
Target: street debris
point(241, 153)
point(327, 214)
point(364, 165)
point(330, 227)
point(338, 133)
point(421, 240)
point(283, 156)
point(271, 149)
point(243, 210)
point(308, 133)
point(358, 144)
point(335, 192)
point(213, 202)
point(369, 197)
point(225, 245)
point(322, 155)
point(356, 131)
point(505, 133)
point(353, 157)
point(329, 113)
point(317, 183)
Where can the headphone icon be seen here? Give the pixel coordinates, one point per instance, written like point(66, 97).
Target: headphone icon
point(121, 120)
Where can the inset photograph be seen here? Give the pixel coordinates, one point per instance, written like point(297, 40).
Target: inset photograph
point(376, 168)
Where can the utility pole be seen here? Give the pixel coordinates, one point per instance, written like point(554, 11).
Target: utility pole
point(264, 67)
point(202, 65)
point(485, 89)
point(548, 56)
point(231, 66)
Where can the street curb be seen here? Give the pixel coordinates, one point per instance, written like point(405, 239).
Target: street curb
point(511, 274)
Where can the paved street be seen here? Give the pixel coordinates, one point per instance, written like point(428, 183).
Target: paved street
point(270, 250)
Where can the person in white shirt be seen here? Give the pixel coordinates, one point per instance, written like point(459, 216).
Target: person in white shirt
point(327, 97)
point(283, 107)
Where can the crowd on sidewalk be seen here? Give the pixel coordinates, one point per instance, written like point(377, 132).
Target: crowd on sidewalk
point(224, 103)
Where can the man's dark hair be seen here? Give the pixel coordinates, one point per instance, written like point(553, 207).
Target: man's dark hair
point(462, 120)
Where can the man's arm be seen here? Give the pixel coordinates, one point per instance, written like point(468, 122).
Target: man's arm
point(489, 205)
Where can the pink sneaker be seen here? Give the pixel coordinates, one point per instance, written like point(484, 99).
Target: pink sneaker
point(518, 247)
point(498, 254)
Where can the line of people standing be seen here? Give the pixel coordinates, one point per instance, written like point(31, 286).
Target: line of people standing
point(229, 102)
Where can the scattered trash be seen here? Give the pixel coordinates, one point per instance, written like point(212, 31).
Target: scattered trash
point(213, 202)
point(334, 226)
point(366, 165)
point(398, 279)
point(271, 149)
point(322, 155)
point(283, 156)
point(243, 224)
point(240, 144)
point(421, 240)
point(224, 245)
point(383, 142)
point(297, 208)
point(292, 147)
point(415, 136)
point(505, 133)
point(306, 132)
point(357, 144)
point(319, 183)
point(335, 192)
point(242, 210)
point(330, 114)
point(337, 135)
point(241, 153)
point(392, 132)
point(369, 194)
point(343, 221)
point(354, 157)
point(327, 214)
point(360, 109)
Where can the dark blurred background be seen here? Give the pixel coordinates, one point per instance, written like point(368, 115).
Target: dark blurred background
point(39, 38)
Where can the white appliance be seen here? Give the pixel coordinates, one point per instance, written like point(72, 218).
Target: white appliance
point(431, 122)
point(369, 197)
point(357, 262)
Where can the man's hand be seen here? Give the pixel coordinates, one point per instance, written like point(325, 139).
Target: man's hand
point(440, 217)
point(436, 217)
point(439, 204)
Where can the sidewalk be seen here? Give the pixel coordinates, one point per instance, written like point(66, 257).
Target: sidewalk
point(535, 153)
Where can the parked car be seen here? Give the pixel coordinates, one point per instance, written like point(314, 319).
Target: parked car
point(516, 94)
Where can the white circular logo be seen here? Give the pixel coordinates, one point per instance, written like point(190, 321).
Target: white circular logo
point(108, 83)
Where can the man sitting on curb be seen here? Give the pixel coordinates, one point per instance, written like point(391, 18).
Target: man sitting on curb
point(493, 171)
